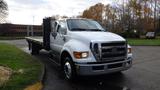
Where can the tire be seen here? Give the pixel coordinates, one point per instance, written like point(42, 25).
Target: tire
point(34, 49)
point(69, 69)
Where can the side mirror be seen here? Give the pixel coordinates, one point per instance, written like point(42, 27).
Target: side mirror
point(54, 34)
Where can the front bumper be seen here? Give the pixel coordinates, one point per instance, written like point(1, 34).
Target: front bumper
point(103, 68)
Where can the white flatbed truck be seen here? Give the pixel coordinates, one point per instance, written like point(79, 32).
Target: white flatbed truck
point(82, 47)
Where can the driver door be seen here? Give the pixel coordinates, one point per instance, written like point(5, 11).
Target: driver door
point(57, 38)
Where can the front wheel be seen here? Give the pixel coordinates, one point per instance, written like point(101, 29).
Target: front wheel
point(69, 69)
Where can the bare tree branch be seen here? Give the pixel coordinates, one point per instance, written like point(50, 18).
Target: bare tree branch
point(3, 11)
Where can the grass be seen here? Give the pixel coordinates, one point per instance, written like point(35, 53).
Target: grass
point(10, 38)
point(144, 42)
point(16, 59)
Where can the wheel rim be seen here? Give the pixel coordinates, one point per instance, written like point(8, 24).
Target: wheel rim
point(67, 70)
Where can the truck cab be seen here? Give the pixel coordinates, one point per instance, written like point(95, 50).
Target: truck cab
point(83, 47)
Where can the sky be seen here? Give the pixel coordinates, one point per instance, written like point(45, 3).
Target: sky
point(33, 11)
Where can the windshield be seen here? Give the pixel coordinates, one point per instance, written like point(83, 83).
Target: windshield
point(84, 25)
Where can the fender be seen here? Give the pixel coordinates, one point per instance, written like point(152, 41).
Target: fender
point(76, 45)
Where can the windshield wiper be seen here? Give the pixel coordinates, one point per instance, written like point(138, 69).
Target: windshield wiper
point(79, 29)
point(95, 30)
point(82, 29)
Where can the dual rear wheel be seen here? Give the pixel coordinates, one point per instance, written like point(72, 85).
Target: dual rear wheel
point(34, 48)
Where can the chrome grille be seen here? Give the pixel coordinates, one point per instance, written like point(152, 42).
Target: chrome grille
point(113, 51)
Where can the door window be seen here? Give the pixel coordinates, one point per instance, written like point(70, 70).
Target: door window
point(54, 25)
point(61, 27)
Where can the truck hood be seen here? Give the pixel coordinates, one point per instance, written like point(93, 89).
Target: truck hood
point(97, 36)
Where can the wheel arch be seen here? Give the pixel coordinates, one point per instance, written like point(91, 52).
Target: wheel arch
point(63, 55)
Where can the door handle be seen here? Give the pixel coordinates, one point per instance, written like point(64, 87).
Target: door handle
point(64, 39)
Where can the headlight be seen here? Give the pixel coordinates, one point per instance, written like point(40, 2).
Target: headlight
point(129, 50)
point(80, 55)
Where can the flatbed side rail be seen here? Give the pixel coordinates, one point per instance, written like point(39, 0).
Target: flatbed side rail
point(35, 41)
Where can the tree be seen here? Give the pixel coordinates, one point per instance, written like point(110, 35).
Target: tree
point(3, 11)
point(94, 12)
point(127, 16)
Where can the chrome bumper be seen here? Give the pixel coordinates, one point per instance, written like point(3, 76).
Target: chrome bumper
point(103, 68)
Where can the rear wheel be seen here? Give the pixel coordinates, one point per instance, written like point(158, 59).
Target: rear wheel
point(69, 68)
point(34, 49)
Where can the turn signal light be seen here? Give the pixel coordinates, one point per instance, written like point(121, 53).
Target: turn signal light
point(129, 50)
point(80, 55)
